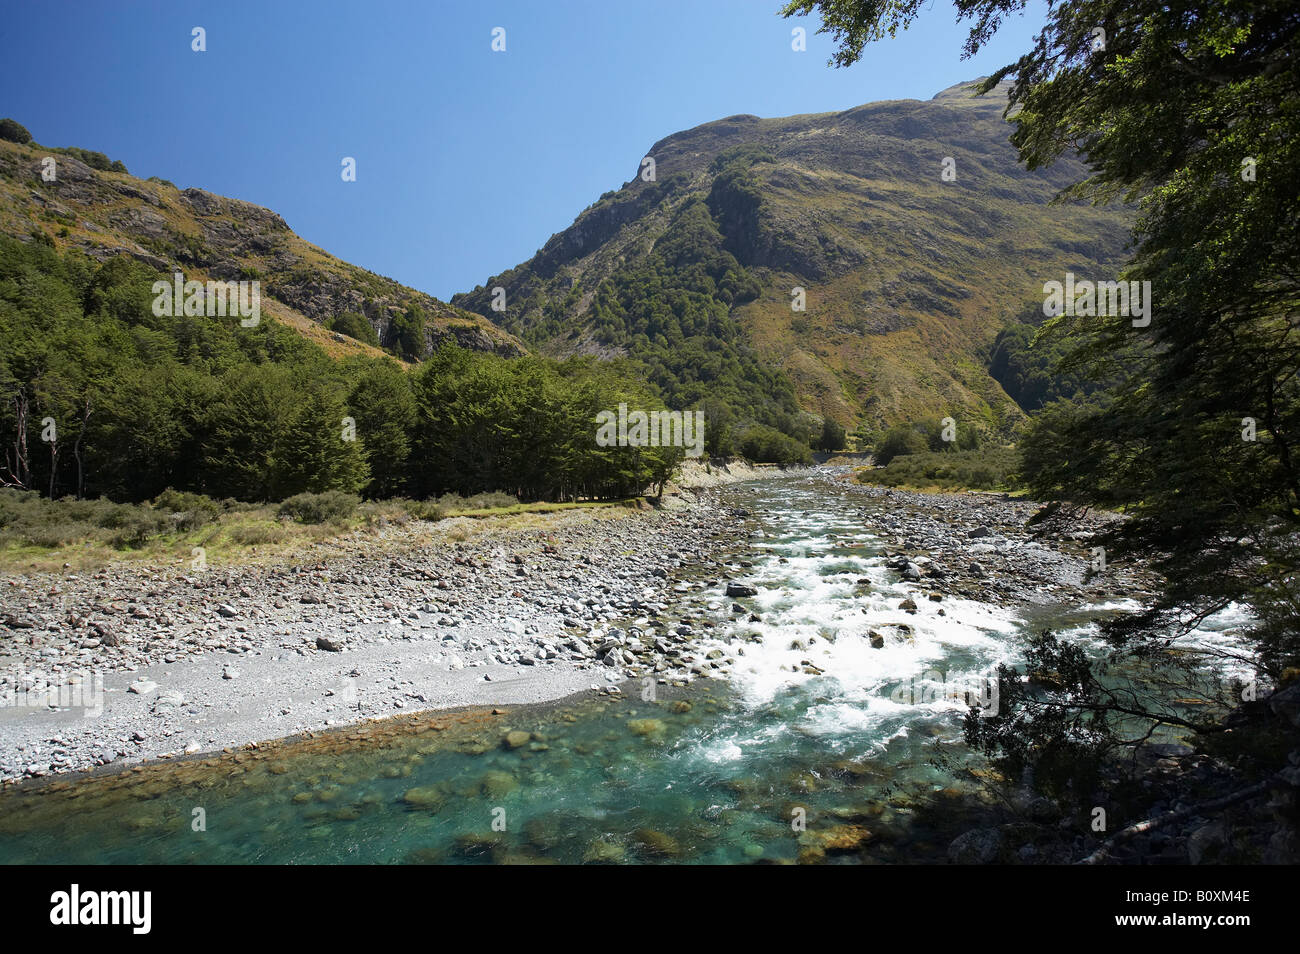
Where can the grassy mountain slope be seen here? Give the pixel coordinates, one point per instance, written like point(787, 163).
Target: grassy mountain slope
point(103, 211)
point(908, 277)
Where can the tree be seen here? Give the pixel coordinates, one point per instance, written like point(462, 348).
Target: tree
point(355, 326)
point(242, 432)
point(833, 435)
point(383, 407)
point(13, 131)
point(1189, 110)
point(899, 440)
point(407, 334)
point(315, 450)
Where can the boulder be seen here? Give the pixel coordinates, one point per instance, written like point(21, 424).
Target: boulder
point(981, 846)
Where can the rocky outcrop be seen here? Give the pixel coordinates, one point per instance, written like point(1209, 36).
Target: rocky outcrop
point(209, 236)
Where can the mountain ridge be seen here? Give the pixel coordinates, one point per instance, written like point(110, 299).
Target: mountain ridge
point(908, 277)
point(105, 212)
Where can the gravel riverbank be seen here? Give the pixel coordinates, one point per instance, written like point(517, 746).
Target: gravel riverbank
point(132, 662)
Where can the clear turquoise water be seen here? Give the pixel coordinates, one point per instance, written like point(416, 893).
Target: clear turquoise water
point(867, 754)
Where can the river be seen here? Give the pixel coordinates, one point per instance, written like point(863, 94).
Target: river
point(835, 736)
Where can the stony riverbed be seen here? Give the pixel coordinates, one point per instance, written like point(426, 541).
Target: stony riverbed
point(455, 613)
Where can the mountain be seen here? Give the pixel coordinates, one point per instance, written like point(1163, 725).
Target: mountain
point(908, 277)
point(95, 206)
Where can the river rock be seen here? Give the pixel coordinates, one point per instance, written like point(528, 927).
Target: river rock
point(980, 846)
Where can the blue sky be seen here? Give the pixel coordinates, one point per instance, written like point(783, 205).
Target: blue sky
point(467, 160)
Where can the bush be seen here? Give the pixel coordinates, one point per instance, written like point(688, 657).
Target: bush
point(423, 509)
point(27, 518)
point(187, 511)
point(767, 445)
point(899, 440)
point(319, 508)
point(137, 528)
point(252, 534)
point(355, 326)
point(58, 534)
point(485, 501)
point(833, 437)
point(14, 131)
point(991, 468)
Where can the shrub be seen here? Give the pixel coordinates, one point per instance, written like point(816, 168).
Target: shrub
point(484, 501)
point(187, 511)
point(991, 468)
point(423, 509)
point(767, 445)
point(355, 326)
point(57, 534)
point(137, 528)
point(14, 131)
point(251, 534)
point(897, 441)
point(319, 508)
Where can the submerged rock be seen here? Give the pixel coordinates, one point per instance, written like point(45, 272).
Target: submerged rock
point(651, 841)
point(427, 797)
point(603, 852)
point(651, 728)
point(515, 739)
point(497, 784)
point(981, 846)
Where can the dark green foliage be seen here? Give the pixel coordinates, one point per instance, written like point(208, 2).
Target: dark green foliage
point(14, 131)
point(991, 468)
point(927, 435)
point(406, 336)
point(833, 436)
point(355, 326)
point(899, 440)
point(332, 505)
point(527, 427)
point(142, 404)
point(1028, 367)
point(763, 444)
point(96, 160)
point(383, 407)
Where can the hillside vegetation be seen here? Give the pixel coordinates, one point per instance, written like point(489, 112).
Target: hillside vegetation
point(908, 278)
point(101, 397)
point(94, 206)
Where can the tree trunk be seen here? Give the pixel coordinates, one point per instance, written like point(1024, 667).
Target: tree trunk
point(54, 465)
point(20, 474)
point(76, 450)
